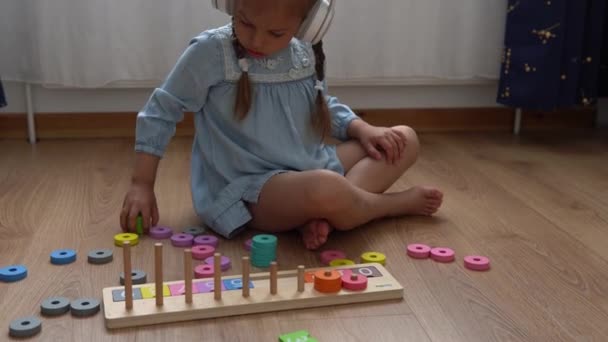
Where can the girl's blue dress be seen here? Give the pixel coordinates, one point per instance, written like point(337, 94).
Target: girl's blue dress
point(231, 159)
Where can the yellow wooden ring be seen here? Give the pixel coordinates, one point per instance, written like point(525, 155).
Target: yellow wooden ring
point(370, 257)
point(341, 262)
point(120, 238)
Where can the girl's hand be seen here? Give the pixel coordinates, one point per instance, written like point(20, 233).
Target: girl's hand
point(376, 140)
point(139, 199)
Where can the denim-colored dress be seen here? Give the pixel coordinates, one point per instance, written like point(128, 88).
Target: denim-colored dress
point(232, 159)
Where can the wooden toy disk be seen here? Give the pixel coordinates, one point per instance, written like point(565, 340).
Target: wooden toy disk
point(267, 292)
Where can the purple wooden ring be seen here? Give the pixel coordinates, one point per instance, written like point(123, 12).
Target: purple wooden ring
point(225, 262)
point(181, 240)
point(209, 240)
point(247, 245)
point(160, 233)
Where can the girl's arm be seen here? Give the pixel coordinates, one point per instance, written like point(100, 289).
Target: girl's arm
point(185, 89)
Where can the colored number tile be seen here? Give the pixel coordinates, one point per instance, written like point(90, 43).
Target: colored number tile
point(150, 292)
point(235, 284)
point(309, 277)
point(119, 295)
point(368, 271)
point(345, 272)
point(207, 286)
point(180, 289)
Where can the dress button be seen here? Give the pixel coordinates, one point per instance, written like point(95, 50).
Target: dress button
point(306, 62)
point(272, 64)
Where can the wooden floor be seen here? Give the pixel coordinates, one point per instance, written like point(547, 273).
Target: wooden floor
point(537, 205)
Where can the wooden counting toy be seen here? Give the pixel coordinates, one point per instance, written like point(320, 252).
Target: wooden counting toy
point(192, 299)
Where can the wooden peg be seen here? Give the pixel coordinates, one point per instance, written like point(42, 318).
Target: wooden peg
point(217, 276)
point(273, 277)
point(126, 252)
point(245, 276)
point(188, 274)
point(301, 278)
point(158, 272)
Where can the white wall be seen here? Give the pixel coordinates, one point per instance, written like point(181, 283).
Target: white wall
point(377, 97)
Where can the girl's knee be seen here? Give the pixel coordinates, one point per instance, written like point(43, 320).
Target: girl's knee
point(412, 145)
point(326, 191)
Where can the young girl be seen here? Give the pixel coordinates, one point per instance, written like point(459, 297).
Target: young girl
point(262, 113)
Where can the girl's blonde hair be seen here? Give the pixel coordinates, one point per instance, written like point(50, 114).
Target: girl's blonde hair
point(320, 120)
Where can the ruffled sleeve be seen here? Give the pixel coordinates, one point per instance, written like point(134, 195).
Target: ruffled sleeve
point(185, 89)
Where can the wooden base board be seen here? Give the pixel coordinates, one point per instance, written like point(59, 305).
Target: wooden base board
point(122, 125)
point(381, 286)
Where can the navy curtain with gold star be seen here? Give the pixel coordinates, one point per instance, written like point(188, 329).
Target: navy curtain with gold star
point(604, 59)
point(2, 98)
point(552, 50)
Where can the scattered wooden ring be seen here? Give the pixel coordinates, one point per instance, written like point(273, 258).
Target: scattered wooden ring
point(204, 271)
point(418, 251)
point(341, 262)
point(55, 306)
point(100, 256)
point(25, 327)
point(63, 256)
point(370, 257)
point(202, 252)
point(160, 233)
point(182, 240)
point(194, 231)
point(84, 307)
point(329, 255)
point(477, 263)
point(13, 273)
point(442, 254)
point(206, 240)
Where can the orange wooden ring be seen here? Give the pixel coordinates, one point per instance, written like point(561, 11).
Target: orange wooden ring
point(328, 281)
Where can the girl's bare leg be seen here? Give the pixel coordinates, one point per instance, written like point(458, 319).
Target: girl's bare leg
point(373, 176)
point(291, 199)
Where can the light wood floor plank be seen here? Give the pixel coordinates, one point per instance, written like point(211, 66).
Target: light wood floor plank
point(548, 279)
point(535, 205)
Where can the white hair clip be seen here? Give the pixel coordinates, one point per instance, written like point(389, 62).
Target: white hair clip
point(244, 64)
point(319, 85)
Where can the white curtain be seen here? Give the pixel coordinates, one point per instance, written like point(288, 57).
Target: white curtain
point(95, 43)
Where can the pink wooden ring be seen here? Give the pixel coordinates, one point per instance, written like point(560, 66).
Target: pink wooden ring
point(442, 254)
point(329, 255)
point(354, 282)
point(209, 240)
point(203, 271)
point(160, 233)
point(477, 263)
point(202, 252)
point(418, 251)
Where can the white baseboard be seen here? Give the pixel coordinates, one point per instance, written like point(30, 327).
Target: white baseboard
point(377, 97)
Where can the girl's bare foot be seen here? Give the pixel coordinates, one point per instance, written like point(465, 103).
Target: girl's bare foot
point(315, 233)
point(417, 200)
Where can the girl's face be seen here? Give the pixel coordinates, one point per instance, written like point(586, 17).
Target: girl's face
point(265, 27)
